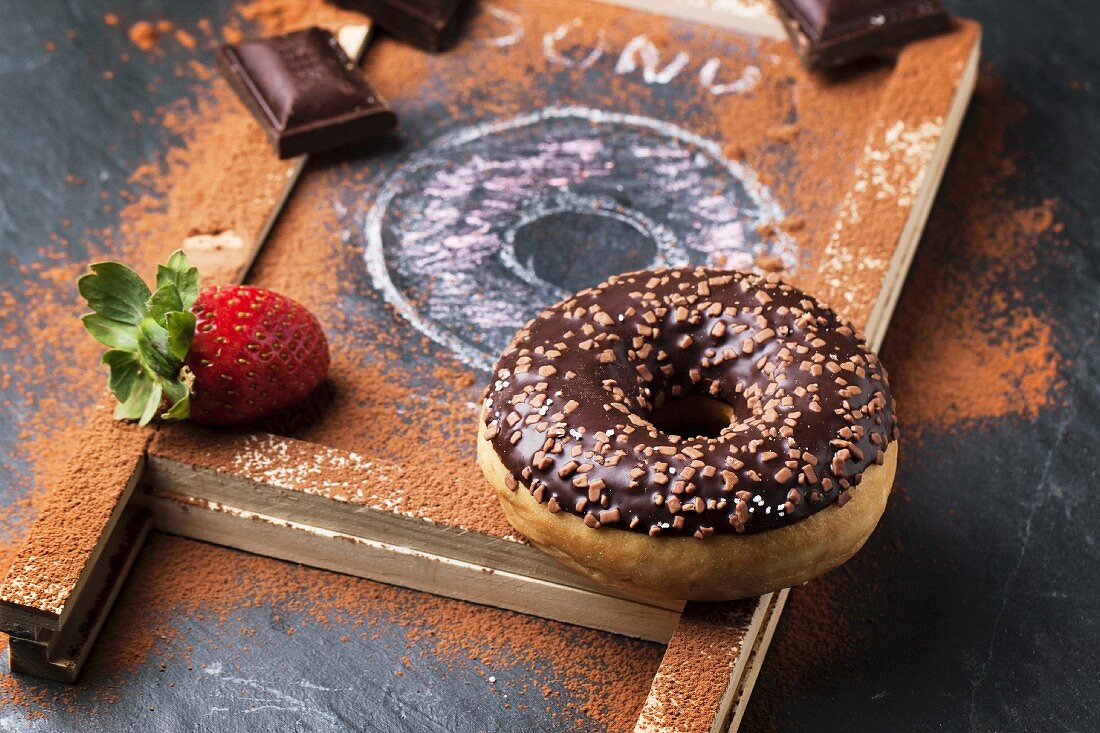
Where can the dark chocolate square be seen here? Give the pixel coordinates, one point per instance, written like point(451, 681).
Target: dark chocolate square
point(305, 92)
point(828, 33)
point(428, 24)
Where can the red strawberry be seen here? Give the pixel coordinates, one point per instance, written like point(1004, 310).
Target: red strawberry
point(221, 356)
point(255, 353)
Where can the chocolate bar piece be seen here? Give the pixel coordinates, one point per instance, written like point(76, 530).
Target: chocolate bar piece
point(828, 33)
point(428, 24)
point(305, 92)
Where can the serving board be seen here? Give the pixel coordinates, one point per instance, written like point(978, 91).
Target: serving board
point(629, 134)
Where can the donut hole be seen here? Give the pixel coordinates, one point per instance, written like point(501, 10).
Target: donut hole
point(574, 250)
point(693, 416)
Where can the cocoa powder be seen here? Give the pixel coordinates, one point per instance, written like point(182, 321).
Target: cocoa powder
point(691, 682)
point(596, 679)
point(966, 344)
point(1014, 356)
point(67, 530)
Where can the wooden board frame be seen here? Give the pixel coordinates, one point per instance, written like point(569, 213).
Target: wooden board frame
point(186, 495)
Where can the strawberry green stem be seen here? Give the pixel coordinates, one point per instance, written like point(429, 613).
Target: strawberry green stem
point(147, 333)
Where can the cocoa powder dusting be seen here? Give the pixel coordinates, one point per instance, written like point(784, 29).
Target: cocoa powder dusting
point(995, 342)
point(591, 684)
point(702, 654)
point(67, 530)
point(966, 345)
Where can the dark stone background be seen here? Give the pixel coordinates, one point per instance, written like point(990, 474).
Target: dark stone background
point(983, 618)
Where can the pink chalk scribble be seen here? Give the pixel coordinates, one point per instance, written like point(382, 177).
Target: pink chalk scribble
point(477, 233)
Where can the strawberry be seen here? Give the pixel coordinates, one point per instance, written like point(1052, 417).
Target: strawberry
point(221, 355)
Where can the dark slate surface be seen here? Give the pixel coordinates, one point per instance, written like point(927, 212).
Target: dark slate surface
point(982, 619)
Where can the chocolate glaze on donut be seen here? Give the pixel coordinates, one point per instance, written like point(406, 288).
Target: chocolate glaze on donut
point(569, 411)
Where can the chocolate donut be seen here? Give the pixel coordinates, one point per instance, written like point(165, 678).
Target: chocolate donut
point(691, 433)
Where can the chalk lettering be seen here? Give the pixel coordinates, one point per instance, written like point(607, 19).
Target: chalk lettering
point(512, 31)
point(748, 80)
point(551, 39)
point(640, 46)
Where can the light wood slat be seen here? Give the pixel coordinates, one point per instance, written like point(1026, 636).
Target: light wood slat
point(754, 17)
point(341, 492)
point(50, 573)
point(692, 689)
point(61, 654)
point(729, 717)
point(399, 564)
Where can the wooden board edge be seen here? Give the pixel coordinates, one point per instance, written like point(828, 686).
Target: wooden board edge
point(881, 313)
point(708, 654)
point(293, 175)
point(759, 20)
point(746, 661)
point(23, 622)
point(422, 571)
point(179, 477)
point(744, 686)
point(60, 655)
point(102, 554)
point(17, 619)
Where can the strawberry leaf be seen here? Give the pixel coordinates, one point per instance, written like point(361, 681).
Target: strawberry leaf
point(115, 334)
point(175, 391)
point(126, 371)
point(115, 291)
point(181, 329)
point(134, 406)
point(153, 350)
point(180, 397)
point(184, 278)
point(148, 333)
point(152, 404)
point(165, 300)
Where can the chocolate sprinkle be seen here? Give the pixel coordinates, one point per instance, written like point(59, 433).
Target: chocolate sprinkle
point(811, 407)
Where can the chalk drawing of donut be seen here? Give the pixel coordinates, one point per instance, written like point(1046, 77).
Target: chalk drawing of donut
point(476, 234)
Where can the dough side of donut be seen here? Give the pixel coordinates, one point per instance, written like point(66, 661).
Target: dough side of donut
point(716, 568)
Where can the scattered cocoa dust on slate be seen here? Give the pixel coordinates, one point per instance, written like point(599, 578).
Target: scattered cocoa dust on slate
point(1008, 353)
point(965, 345)
point(179, 576)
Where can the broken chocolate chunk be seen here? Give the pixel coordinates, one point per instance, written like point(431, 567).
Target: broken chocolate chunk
point(828, 33)
point(305, 92)
point(428, 24)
